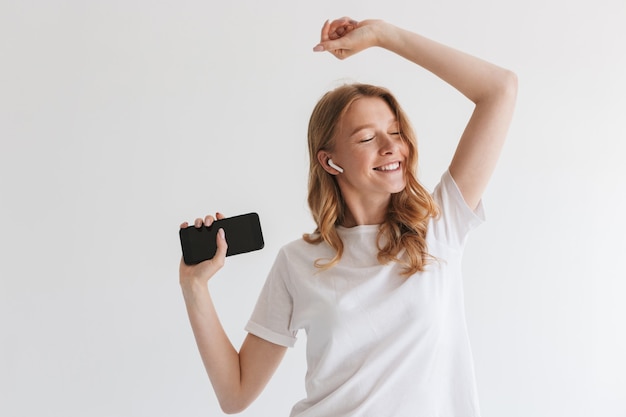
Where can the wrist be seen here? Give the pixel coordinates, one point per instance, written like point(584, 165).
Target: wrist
point(385, 34)
point(192, 288)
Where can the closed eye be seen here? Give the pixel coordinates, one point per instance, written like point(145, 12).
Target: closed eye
point(366, 140)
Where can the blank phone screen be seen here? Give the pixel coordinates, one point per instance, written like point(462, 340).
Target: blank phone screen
point(243, 234)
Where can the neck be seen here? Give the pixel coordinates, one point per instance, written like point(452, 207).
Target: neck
point(372, 211)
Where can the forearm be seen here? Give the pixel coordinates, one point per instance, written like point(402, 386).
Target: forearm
point(237, 377)
point(492, 89)
point(220, 358)
point(475, 78)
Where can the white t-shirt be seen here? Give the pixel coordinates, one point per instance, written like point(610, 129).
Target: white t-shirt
point(378, 343)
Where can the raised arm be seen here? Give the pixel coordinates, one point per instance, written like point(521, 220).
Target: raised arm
point(237, 377)
point(492, 89)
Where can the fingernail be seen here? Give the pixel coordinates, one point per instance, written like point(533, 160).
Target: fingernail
point(318, 48)
point(221, 232)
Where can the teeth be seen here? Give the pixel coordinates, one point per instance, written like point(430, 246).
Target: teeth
point(389, 167)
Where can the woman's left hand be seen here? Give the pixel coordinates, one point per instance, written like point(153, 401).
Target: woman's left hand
point(345, 37)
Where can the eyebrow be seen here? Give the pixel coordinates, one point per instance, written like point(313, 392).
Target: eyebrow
point(369, 125)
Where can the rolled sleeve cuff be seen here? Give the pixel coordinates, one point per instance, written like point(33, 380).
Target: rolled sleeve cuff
point(269, 335)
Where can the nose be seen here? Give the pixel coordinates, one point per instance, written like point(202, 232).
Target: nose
point(389, 144)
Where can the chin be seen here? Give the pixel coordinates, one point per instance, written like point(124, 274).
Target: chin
point(398, 189)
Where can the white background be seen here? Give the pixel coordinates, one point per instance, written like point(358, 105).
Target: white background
point(121, 119)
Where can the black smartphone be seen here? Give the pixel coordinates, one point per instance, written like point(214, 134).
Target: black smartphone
point(243, 234)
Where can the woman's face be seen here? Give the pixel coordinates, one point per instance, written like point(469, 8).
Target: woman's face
point(370, 149)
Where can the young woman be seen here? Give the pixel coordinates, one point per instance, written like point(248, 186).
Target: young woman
point(377, 287)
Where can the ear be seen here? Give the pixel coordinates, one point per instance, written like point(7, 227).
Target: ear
point(323, 157)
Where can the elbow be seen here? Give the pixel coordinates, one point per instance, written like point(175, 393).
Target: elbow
point(507, 84)
point(499, 86)
point(233, 399)
point(232, 410)
point(501, 90)
point(233, 406)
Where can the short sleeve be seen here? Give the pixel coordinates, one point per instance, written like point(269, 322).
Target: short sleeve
point(271, 317)
point(456, 219)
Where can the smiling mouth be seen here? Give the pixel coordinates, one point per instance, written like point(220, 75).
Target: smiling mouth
point(394, 166)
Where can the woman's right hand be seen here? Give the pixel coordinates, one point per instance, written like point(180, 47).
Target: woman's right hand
point(191, 275)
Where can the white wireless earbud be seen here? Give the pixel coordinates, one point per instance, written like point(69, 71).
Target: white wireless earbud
point(334, 165)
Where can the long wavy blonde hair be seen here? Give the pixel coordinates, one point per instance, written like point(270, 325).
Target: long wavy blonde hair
point(409, 210)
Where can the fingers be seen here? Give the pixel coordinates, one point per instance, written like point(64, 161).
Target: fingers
point(222, 247)
point(207, 221)
point(206, 269)
point(341, 27)
point(323, 36)
point(325, 31)
point(333, 31)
